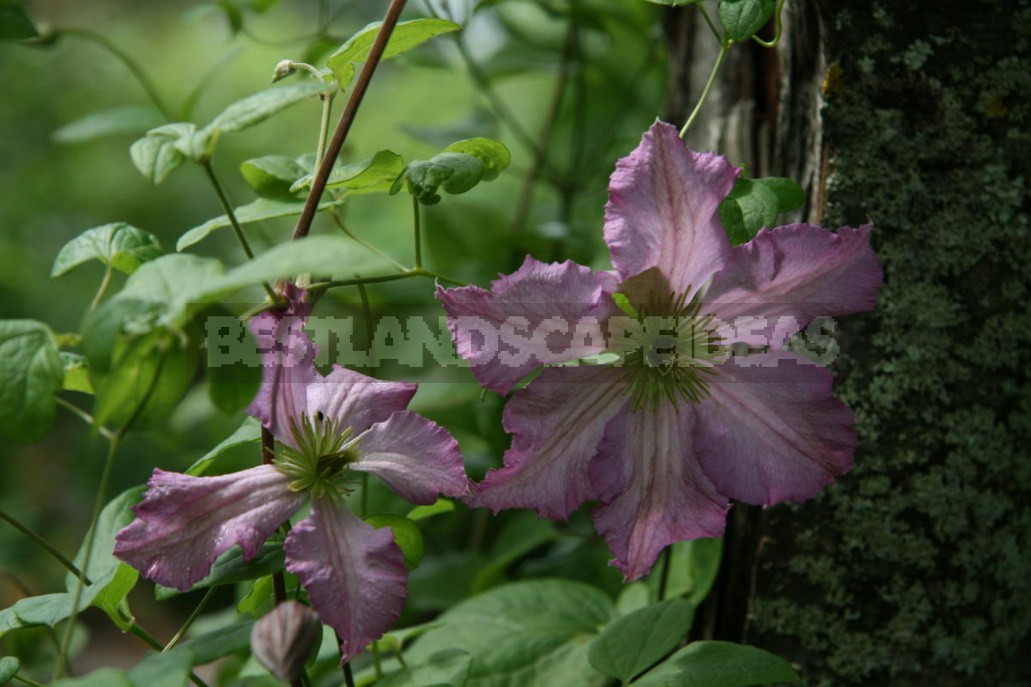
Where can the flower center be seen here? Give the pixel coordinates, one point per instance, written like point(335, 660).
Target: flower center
point(668, 350)
point(320, 462)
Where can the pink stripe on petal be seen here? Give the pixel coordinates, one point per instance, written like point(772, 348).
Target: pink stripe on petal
point(773, 431)
point(654, 492)
point(784, 278)
point(355, 400)
point(417, 458)
point(663, 210)
point(542, 313)
point(354, 574)
point(557, 423)
point(184, 523)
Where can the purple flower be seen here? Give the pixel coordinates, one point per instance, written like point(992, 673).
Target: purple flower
point(692, 398)
point(327, 426)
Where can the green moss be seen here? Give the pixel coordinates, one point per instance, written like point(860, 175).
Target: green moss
point(914, 569)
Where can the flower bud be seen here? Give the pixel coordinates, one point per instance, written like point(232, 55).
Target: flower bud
point(284, 69)
point(284, 639)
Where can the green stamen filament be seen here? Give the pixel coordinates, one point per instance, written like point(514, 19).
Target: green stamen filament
point(669, 352)
point(320, 462)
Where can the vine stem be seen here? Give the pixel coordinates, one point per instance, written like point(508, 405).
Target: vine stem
point(318, 183)
point(416, 213)
point(128, 61)
point(227, 207)
point(43, 543)
point(190, 620)
point(104, 284)
point(98, 506)
point(779, 30)
point(724, 48)
point(664, 573)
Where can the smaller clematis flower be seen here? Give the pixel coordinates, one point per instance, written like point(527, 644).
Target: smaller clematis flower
point(692, 398)
point(327, 428)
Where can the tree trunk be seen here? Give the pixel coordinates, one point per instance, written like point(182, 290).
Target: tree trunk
point(913, 569)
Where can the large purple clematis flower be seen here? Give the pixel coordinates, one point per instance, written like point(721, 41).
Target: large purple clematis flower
point(327, 426)
point(692, 398)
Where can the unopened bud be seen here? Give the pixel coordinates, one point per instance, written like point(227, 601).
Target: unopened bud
point(284, 69)
point(284, 639)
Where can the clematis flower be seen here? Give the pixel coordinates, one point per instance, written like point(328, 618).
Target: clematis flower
point(699, 401)
point(326, 427)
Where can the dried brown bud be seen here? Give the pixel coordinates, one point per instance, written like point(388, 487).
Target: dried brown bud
point(284, 639)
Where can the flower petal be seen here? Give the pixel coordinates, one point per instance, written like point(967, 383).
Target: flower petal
point(557, 423)
point(417, 458)
point(184, 523)
point(784, 278)
point(773, 431)
point(663, 210)
point(542, 313)
point(288, 360)
point(356, 400)
point(654, 491)
point(354, 574)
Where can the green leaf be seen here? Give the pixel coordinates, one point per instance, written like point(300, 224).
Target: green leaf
point(372, 175)
point(632, 597)
point(493, 154)
point(256, 108)
point(406, 535)
point(118, 578)
point(30, 374)
point(168, 669)
point(336, 256)
point(527, 634)
point(633, 643)
point(247, 433)
point(148, 377)
point(523, 533)
point(233, 387)
point(161, 293)
point(447, 667)
point(272, 176)
point(719, 664)
point(105, 677)
point(407, 35)
point(790, 195)
point(76, 372)
point(755, 203)
point(231, 567)
point(441, 505)
point(15, 23)
point(260, 209)
point(216, 644)
point(163, 149)
point(9, 667)
point(692, 570)
point(121, 245)
point(128, 119)
point(453, 172)
point(742, 18)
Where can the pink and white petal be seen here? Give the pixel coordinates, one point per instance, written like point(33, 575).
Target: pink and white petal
point(781, 280)
point(557, 423)
point(542, 313)
point(663, 210)
point(354, 573)
point(184, 523)
point(355, 400)
point(772, 430)
point(654, 492)
point(288, 365)
point(416, 458)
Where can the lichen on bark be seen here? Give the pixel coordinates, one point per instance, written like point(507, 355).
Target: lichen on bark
point(914, 568)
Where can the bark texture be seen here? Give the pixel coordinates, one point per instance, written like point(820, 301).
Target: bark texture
point(914, 568)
